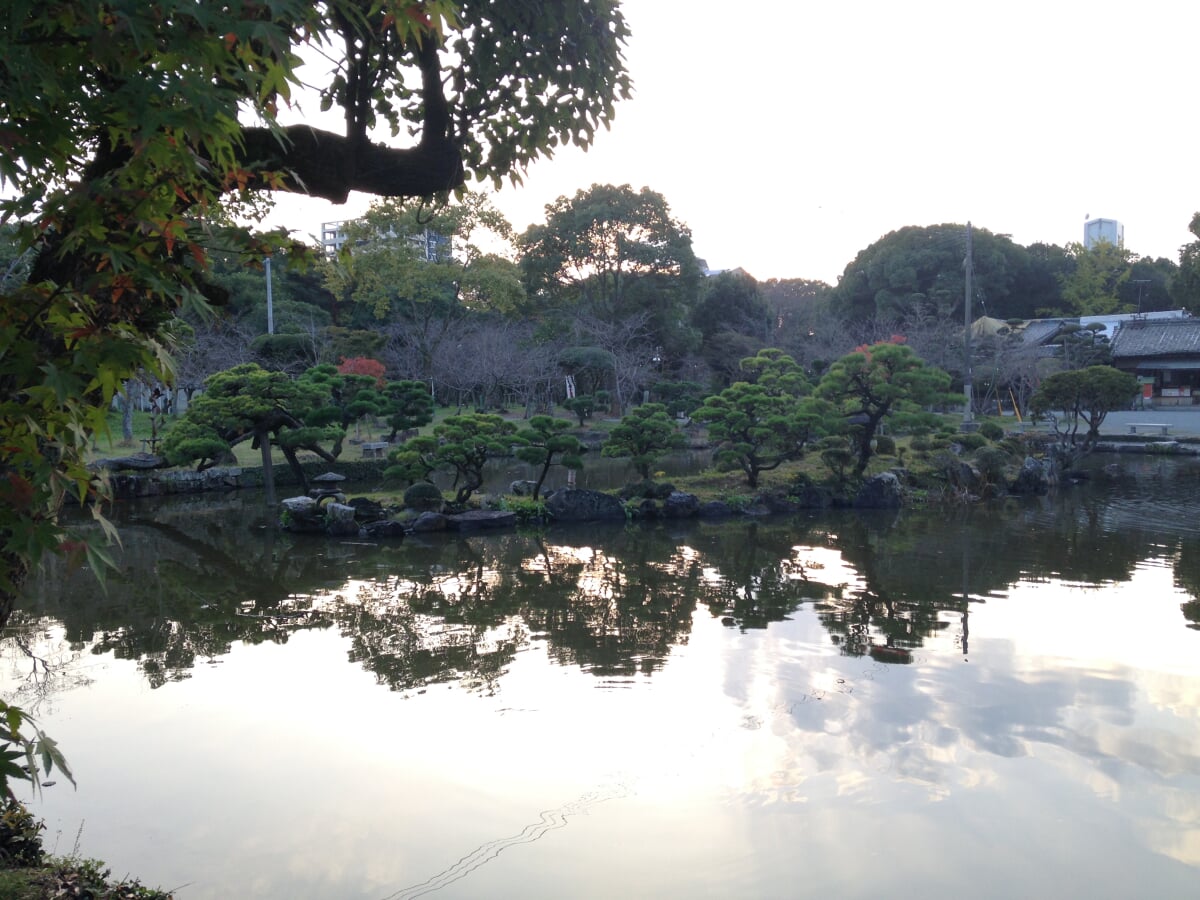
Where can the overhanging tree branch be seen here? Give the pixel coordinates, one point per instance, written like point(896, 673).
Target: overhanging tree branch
point(329, 166)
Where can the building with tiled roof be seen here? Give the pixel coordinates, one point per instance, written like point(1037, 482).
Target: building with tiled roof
point(1165, 356)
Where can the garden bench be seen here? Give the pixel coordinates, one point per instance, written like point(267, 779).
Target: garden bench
point(375, 450)
point(1163, 428)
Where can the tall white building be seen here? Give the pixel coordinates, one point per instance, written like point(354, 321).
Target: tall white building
point(1097, 230)
point(428, 245)
point(333, 235)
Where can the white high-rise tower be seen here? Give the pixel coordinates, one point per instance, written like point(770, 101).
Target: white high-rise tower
point(1097, 230)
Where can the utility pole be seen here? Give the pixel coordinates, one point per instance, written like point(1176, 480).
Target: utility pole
point(1141, 283)
point(270, 304)
point(968, 388)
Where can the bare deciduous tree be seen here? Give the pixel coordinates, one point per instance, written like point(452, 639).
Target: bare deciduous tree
point(629, 342)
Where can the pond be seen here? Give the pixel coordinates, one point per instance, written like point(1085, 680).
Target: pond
point(994, 701)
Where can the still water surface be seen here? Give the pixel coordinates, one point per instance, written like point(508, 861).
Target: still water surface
point(989, 702)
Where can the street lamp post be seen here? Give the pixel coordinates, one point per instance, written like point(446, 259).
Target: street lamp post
point(270, 304)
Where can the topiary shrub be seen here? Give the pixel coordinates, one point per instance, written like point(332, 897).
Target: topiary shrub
point(972, 441)
point(991, 431)
point(885, 445)
point(424, 496)
point(992, 463)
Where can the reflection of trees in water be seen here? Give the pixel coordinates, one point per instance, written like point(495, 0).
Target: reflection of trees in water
point(39, 664)
point(1187, 577)
point(922, 573)
point(611, 600)
point(186, 587)
point(919, 573)
point(757, 574)
point(612, 611)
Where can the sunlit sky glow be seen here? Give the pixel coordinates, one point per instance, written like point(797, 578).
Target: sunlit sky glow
point(789, 144)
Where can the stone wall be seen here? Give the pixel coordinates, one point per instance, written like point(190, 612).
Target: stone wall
point(162, 482)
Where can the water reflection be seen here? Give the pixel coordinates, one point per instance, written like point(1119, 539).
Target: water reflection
point(197, 577)
point(1010, 691)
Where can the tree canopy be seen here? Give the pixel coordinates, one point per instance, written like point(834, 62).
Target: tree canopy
point(1185, 286)
point(269, 408)
point(615, 252)
point(403, 259)
point(922, 267)
point(126, 126)
point(1082, 396)
point(545, 442)
point(875, 382)
point(1092, 287)
point(461, 444)
point(644, 435)
point(916, 270)
point(766, 420)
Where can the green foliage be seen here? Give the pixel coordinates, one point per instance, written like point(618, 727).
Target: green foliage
point(26, 752)
point(972, 441)
point(461, 444)
point(738, 503)
point(837, 456)
point(268, 408)
point(91, 878)
point(20, 835)
point(591, 367)
point(1185, 285)
point(146, 128)
point(544, 442)
point(776, 372)
point(283, 349)
point(349, 342)
point(991, 431)
point(243, 402)
point(1082, 396)
point(758, 427)
point(615, 252)
point(731, 301)
point(885, 445)
point(583, 405)
point(404, 259)
point(919, 270)
point(992, 463)
point(525, 83)
point(423, 495)
point(877, 382)
point(1093, 286)
point(129, 128)
point(409, 406)
point(644, 435)
point(1148, 288)
point(679, 397)
point(413, 462)
point(732, 319)
point(340, 400)
point(528, 510)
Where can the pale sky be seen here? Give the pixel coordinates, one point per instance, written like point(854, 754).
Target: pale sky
point(790, 135)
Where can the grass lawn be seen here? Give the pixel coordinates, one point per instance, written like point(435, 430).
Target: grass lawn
point(729, 486)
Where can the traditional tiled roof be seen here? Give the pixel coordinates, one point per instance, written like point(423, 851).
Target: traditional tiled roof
point(1033, 332)
point(1162, 337)
point(1042, 331)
